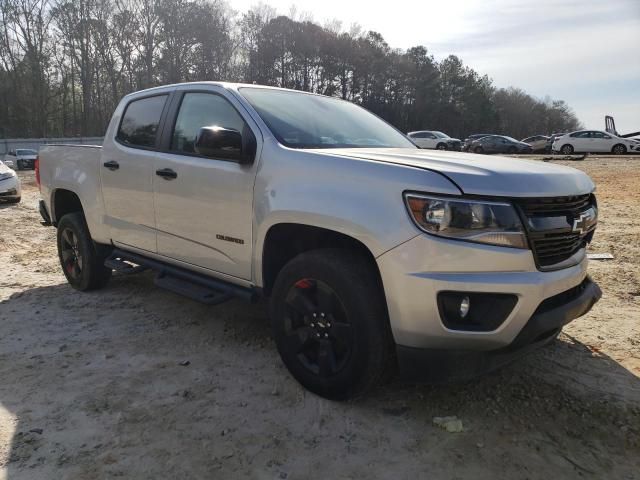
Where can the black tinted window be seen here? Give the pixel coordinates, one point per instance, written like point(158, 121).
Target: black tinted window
point(202, 110)
point(418, 135)
point(140, 121)
point(580, 135)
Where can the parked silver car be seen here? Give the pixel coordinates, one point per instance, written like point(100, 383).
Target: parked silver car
point(21, 158)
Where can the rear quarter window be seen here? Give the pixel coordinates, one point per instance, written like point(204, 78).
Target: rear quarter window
point(140, 121)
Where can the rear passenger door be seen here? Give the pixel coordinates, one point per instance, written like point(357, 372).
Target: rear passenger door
point(126, 170)
point(204, 210)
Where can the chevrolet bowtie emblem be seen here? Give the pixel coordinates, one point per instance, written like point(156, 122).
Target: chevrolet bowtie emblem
point(584, 221)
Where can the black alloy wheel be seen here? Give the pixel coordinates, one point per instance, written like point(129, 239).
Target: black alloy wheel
point(316, 327)
point(330, 322)
point(81, 259)
point(70, 254)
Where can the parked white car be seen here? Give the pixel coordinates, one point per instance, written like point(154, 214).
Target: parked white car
point(10, 190)
point(435, 140)
point(592, 141)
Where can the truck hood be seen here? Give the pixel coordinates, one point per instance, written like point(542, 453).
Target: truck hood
point(483, 174)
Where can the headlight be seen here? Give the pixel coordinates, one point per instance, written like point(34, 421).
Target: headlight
point(493, 223)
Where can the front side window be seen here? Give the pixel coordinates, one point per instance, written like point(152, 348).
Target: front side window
point(202, 110)
point(140, 121)
point(302, 120)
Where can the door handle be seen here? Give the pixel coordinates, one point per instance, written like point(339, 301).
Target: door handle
point(166, 173)
point(111, 165)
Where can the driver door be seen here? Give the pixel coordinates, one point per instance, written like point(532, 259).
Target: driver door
point(204, 205)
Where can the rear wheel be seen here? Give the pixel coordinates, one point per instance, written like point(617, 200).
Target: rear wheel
point(330, 323)
point(619, 149)
point(567, 149)
point(512, 150)
point(81, 259)
point(19, 165)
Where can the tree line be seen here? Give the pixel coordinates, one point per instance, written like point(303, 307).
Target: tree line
point(65, 64)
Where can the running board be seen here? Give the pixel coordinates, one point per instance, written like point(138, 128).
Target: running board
point(194, 291)
point(179, 280)
point(121, 266)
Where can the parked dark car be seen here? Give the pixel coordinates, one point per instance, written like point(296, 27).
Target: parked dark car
point(499, 144)
point(471, 138)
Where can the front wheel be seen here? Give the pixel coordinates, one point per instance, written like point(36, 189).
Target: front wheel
point(566, 149)
point(512, 150)
point(81, 259)
point(441, 146)
point(330, 323)
point(478, 150)
point(619, 149)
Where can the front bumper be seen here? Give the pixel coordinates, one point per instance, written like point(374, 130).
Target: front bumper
point(543, 327)
point(416, 271)
point(26, 163)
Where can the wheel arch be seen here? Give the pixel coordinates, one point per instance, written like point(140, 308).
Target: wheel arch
point(284, 241)
point(64, 201)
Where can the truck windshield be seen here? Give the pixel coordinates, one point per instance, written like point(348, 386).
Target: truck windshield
point(302, 120)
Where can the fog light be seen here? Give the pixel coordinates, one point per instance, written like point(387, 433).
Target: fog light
point(464, 307)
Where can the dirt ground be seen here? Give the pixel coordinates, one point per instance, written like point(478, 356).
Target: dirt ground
point(96, 385)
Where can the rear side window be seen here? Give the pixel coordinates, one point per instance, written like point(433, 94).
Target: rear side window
point(140, 121)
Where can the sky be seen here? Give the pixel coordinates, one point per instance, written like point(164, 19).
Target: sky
point(585, 52)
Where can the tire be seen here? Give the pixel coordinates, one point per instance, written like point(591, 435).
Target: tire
point(512, 150)
point(330, 323)
point(81, 259)
point(19, 165)
point(619, 149)
point(566, 149)
point(478, 150)
point(13, 200)
point(441, 146)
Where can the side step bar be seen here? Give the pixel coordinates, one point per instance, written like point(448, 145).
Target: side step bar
point(178, 280)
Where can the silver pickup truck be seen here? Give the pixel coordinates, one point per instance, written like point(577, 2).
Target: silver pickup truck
point(375, 255)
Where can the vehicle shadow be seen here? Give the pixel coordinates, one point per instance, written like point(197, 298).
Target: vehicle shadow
point(133, 381)
point(4, 204)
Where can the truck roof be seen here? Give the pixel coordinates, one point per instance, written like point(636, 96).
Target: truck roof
point(228, 85)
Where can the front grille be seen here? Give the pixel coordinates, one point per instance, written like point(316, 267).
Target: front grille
point(550, 226)
point(555, 205)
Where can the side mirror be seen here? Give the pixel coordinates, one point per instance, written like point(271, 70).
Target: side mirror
point(226, 143)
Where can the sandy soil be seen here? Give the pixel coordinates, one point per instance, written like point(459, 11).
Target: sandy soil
point(96, 386)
